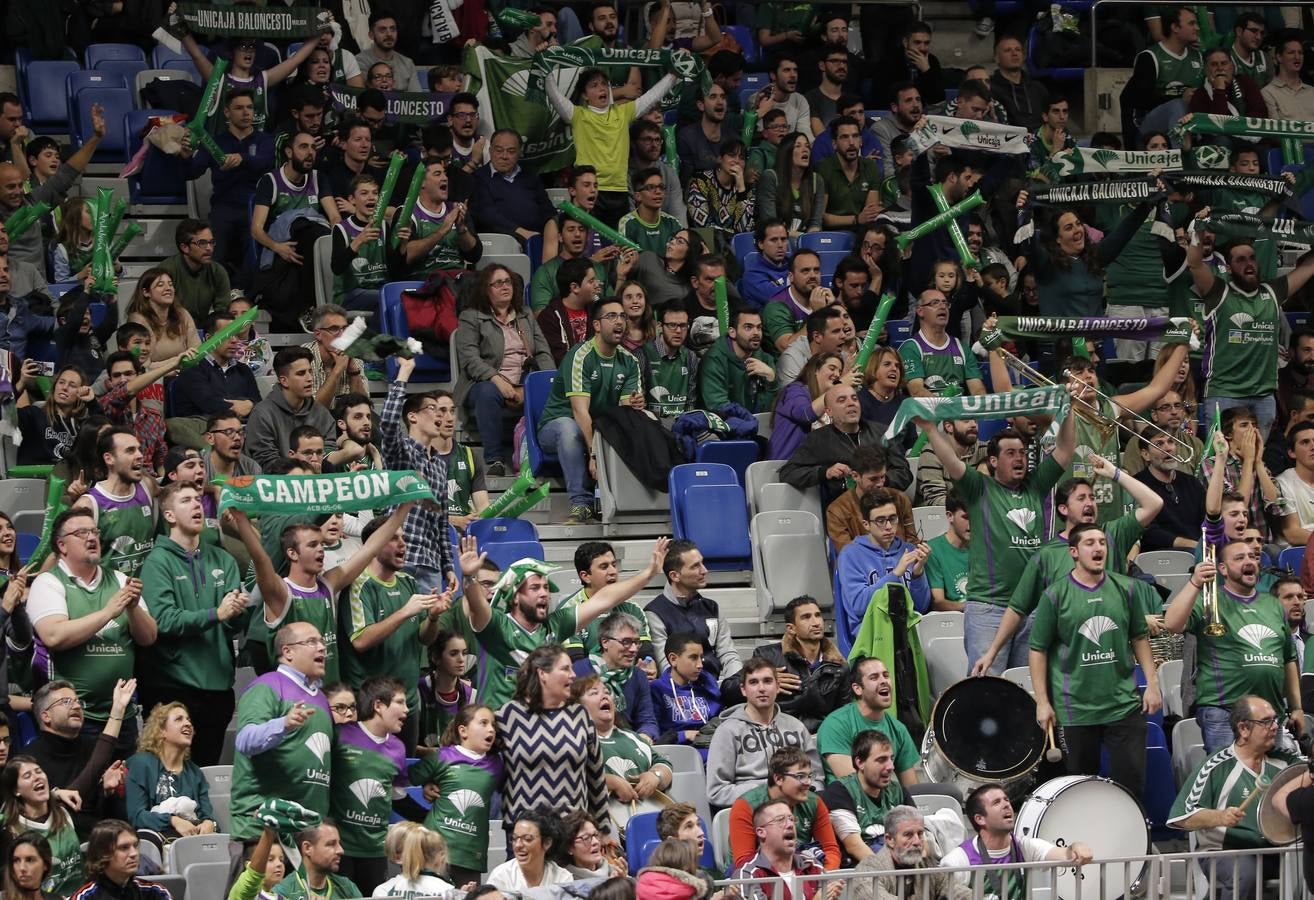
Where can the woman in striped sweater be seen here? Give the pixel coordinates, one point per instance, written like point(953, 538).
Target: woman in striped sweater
point(548, 741)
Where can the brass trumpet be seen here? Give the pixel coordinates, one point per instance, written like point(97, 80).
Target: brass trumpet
point(1209, 592)
point(1184, 454)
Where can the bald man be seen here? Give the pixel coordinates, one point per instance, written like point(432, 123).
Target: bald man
point(30, 245)
point(827, 452)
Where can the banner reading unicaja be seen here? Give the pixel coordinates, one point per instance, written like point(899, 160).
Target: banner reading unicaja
point(1042, 401)
point(408, 107)
point(1145, 328)
point(1088, 161)
point(968, 134)
point(1135, 190)
point(1231, 181)
point(504, 86)
point(1245, 126)
point(253, 21)
point(322, 494)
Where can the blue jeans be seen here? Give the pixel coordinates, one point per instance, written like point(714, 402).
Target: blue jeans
point(1214, 727)
point(563, 437)
point(980, 625)
point(488, 405)
point(362, 299)
point(1265, 410)
point(428, 579)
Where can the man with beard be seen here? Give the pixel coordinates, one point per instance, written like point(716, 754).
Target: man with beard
point(1254, 655)
point(354, 414)
point(860, 801)
point(646, 152)
point(604, 32)
point(305, 107)
point(383, 48)
point(215, 385)
point(811, 671)
point(778, 857)
point(827, 332)
point(906, 112)
point(441, 235)
point(200, 608)
point(853, 182)
point(736, 370)
point(868, 710)
point(468, 148)
point(200, 284)
point(573, 244)
point(1292, 596)
point(823, 100)
point(522, 622)
point(1241, 327)
point(907, 847)
point(783, 317)
point(1093, 695)
point(991, 814)
point(827, 453)
point(308, 592)
point(1177, 527)
point(71, 608)
point(1074, 500)
point(1297, 376)
point(1170, 414)
point(936, 364)
point(293, 186)
point(931, 487)
point(121, 503)
point(784, 94)
point(225, 437)
point(670, 367)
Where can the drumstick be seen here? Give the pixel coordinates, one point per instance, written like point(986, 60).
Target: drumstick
point(1053, 754)
point(1260, 786)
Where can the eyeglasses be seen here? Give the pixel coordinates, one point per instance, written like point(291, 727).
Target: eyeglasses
point(676, 326)
point(523, 838)
point(882, 521)
point(313, 454)
point(312, 642)
point(626, 642)
point(501, 282)
point(343, 708)
point(931, 304)
point(463, 115)
point(202, 244)
point(779, 821)
point(800, 777)
point(588, 838)
point(676, 239)
point(82, 533)
point(227, 432)
point(653, 187)
point(332, 329)
point(1270, 722)
point(63, 701)
point(611, 317)
point(1169, 407)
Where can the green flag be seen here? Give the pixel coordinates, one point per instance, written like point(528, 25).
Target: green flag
point(319, 494)
point(504, 87)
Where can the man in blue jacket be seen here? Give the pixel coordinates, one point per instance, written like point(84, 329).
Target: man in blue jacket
point(878, 558)
point(624, 680)
point(767, 275)
point(218, 383)
point(17, 321)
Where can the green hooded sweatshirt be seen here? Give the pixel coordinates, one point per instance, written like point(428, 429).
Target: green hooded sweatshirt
point(194, 648)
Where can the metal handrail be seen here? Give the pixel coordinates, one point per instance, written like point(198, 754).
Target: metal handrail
point(1094, 45)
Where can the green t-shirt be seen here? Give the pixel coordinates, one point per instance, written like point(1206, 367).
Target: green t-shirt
point(626, 754)
point(1087, 635)
point(838, 730)
point(1250, 657)
point(1135, 277)
point(460, 814)
point(1053, 562)
point(670, 381)
point(1257, 68)
point(780, 318)
point(296, 768)
point(369, 264)
point(1007, 528)
point(401, 655)
point(844, 197)
point(543, 283)
point(944, 370)
point(361, 792)
point(95, 665)
point(649, 237)
point(946, 568)
point(317, 606)
point(1222, 781)
point(461, 469)
point(127, 528)
point(67, 870)
point(1173, 75)
point(504, 644)
point(781, 17)
point(1242, 351)
point(446, 254)
point(805, 813)
point(586, 639)
point(1102, 438)
point(585, 371)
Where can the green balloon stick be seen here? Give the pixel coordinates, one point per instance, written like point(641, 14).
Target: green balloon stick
point(124, 239)
point(21, 219)
point(41, 470)
point(214, 340)
point(54, 506)
point(946, 218)
point(518, 18)
point(209, 101)
point(669, 147)
point(873, 333)
point(408, 205)
point(605, 231)
point(750, 128)
point(528, 502)
point(522, 485)
point(385, 192)
point(102, 264)
point(722, 306)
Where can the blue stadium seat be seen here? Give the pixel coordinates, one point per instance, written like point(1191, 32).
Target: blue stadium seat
point(1292, 558)
point(128, 68)
point(501, 531)
point(641, 839)
point(25, 543)
point(507, 552)
point(267, 56)
point(738, 455)
point(98, 53)
point(841, 241)
point(116, 104)
point(164, 58)
point(78, 81)
point(25, 730)
point(743, 244)
point(830, 260)
point(393, 321)
point(46, 104)
point(755, 80)
point(1275, 163)
point(1071, 73)
point(708, 508)
point(988, 428)
point(1298, 320)
point(746, 39)
point(537, 387)
point(162, 178)
point(534, 250)
point(746, 96)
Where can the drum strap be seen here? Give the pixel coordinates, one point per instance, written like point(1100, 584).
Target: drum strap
point(1014, 881)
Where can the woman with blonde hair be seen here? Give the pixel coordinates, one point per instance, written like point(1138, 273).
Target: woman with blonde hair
point(166, 792)
point(884, 384)
point(423, 856)
point(155, 305)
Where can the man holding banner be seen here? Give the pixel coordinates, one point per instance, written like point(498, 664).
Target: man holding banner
point(1005, 507)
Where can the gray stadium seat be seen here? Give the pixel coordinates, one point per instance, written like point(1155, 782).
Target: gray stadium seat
point(691, 788)
point(683, 757)
point(1188, 749)
point(623, 498)
point(146, 76)
point(1020, 675)
point(208, 880)
point(219, 779)
point(760, 473)
point(933, 803)
point(781, 496)
point(721, 840)
point(199, 192)
point(789, 560)
point(196, 850)
point(930, 521)
point(946, 663)
point(323, 270)
point(223, 805)
point(939, 624)
point(500, 244)
point(1170, 686)
point(496, 844)
point(24, 499)
point(516, 262)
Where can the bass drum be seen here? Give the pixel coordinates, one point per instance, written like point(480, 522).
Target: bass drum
point(982, 729)
point(1097, 812)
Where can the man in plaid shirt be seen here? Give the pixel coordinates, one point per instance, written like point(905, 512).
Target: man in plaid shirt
point(127, 378)
point(407, 428)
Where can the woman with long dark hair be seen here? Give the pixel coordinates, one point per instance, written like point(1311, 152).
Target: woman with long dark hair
point(791, 191)
point(534, 840)
point(31, 805)
point(29, 867)
point(498, 341)
point(155, 304)
point(666, 277)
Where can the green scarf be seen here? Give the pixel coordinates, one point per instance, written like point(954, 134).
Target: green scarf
point(1229, 181)
point(614, 679)
point(1042, 401)
point(968, 134)
point(319, 494)
point(1244, 225)
point(1245, 126)
point(1089, 161)
point(1146, 328)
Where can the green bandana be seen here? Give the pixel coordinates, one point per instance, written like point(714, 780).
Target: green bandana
point(1088, 161)
point(1042, 401)
point(286, 816)
point(515, 575)
point(967, 134)
point(322, 494)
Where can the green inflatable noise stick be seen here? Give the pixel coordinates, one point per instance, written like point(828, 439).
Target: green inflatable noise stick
point(722, 306)
point(605, 231)
point(497, 509)
point(946, 218)
point(207, 346)
point(528, 502)
point(209, 100)
point(102, 264)
point(408, 205)
point(389, 185)
point(873, 333)
point(54, 506)
point(668, 146)
point(124, 239)
point(518, 18)
point(21, 219)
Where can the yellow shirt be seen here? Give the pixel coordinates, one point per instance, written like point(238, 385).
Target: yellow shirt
point(602, 140)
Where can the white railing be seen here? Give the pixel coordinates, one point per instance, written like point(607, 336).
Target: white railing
point(1166, 876)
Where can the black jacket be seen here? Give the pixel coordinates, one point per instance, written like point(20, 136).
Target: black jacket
point(825, 685)
point(823, 447)
point(648, 449)
point(204, 389)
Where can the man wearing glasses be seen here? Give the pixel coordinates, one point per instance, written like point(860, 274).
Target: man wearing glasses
point(1214, 803)
point(937, 364)
point(648, 226)
point(789, 781)
point(618, 635)
point(200, 284)
point(332, 372)
point(1171, 414)
point(670, 368)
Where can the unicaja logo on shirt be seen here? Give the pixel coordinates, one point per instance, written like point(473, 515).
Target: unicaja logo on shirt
point(465, 800)
point(621, 766)
point(1024, 519)
point(1255, 634)
point(365, 790)
point(1241, 319)
point(1092, 630)
point(318, 744)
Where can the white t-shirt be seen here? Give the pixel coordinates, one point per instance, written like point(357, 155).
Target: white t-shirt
point(1301, 496)
point(508, 877)
point(1033, 850)
point(424, 886)
point(46, 598)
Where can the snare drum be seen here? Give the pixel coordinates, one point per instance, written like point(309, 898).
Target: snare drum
point(1097, 812)
point(982, 729)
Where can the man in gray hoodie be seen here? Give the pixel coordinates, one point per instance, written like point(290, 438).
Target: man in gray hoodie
point(737, 760)
point(287, 407)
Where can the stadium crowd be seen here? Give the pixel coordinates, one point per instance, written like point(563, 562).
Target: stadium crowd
point(775, 261)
